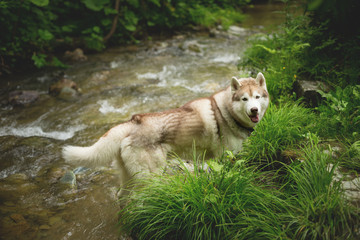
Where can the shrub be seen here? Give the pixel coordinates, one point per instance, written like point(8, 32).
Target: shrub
point(341, 112)
point(36, 29)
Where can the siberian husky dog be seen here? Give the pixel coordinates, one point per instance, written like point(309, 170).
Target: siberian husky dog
point(216, 123)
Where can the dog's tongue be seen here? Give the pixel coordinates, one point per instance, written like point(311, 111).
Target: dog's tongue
point(255, 118)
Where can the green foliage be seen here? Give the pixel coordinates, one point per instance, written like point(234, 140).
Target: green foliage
point(31, 29)
point(278, 54)
point(226, 203)
point(282, 128)
point(235, 201)
point(315, 47)
point(350, 159)
point(341, 111)
point(320, 209)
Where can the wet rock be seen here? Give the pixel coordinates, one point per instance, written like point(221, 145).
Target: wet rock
point(192, 46)
point(69, 179)
point(76, 56)
point(68, 94)
point(54, 174)
point(17, 218)
point(231, 32)
point(80, 172)
point(44, 227)
point(309, 91)
point(352, 188)
point(63, 87)
point(23, 97)
point(39, 216)
point(352, 185)
point(13, 227)
point(100, 76)
point(55, 220)
point(237, 31)
point(17, 178)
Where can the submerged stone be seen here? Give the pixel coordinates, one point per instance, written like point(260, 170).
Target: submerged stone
point(69, 178)
point(44, 227)
point(64, 83)
point(237, 31)
point(76, 56)
point(80, 170)
point(68, 94)
point(23, 97)
point(55, 220)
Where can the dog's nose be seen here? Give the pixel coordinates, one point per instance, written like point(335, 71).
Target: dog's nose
point(254, 110)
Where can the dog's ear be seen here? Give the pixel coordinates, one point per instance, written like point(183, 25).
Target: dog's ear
point(260, 79)
point(235, 84)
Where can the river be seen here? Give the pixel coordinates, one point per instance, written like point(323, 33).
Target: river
point(36, 200)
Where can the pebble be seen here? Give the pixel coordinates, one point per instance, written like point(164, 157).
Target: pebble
point(44, 227)
point(17, 218)
point(54, 220)
point(69, 178)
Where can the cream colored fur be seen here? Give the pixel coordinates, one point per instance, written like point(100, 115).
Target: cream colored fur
point(141, 145)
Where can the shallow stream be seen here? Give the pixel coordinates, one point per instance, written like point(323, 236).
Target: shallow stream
point(40, 198)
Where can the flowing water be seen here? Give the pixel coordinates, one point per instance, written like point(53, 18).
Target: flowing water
point(41, 196)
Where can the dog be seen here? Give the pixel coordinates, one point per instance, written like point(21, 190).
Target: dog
point(216, 123)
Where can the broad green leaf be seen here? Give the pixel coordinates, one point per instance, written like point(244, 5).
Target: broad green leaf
point(130, 27)
point(272, 51)
point(134, 3)
point(106, 22)
point(40, 3)
point(216, 166)
point(109, 10)
point(156, 2)
point(45, 34)
point(95, 5)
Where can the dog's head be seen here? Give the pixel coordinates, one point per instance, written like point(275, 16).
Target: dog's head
point(249, 100)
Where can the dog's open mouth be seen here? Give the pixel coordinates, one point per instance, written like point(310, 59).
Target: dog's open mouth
point(254, 118)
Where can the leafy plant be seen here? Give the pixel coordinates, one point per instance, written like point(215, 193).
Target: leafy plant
point(277, 54)
point(42, 27)
point(341, 111)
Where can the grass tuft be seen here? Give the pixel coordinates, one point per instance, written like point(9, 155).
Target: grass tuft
point(320, 208)
point(282, 128)
point(227, 203)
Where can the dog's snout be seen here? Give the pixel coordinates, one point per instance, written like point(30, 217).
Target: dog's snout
point(254, 110)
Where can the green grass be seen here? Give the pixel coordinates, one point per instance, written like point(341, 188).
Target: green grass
point(236, 199)
point(259, 194)
point(226, 203)
point(350, 159)
point(320, 208)
point(282, 128)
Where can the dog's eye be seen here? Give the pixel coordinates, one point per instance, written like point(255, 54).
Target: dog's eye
point(244, 99)
point(257, 97)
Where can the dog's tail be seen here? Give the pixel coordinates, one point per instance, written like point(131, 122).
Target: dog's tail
point(104, 151)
